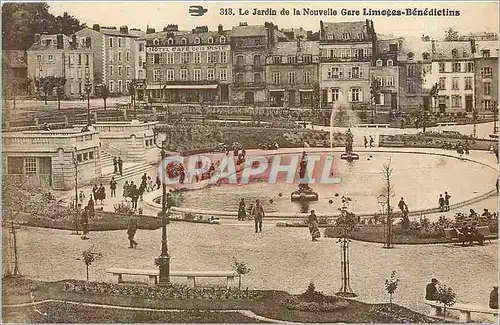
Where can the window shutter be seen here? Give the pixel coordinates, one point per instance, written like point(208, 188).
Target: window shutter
point(360, 72)
point(349, 74)
point(381, 99)
point(341, 72)
point(350, 96)
point(329, 73)
point(360, 95)
point(329, 95)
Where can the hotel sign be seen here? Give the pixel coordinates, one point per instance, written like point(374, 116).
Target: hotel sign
point(196, 48)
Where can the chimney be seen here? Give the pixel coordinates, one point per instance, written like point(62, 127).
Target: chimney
point(124, 29)
point(220, 29)
point(150, 31)
point(321, 28)
point(96, 27)
point(433, 46)
point(37, 38)
point(73, 42)
point(473, 45)
point(299, 44)
point(60, 42)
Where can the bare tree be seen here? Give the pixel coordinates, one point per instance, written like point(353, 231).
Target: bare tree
point(388, 189)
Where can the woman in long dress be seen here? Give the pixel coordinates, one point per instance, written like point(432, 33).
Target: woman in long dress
point(313, 226)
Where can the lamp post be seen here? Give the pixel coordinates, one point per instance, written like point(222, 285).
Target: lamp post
point(163, 261)
point(495, 117)
point(75, 163)
point(88, 90)
point(474, 118)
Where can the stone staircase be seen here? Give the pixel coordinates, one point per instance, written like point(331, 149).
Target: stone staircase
point(130, 170)
point(106, 159)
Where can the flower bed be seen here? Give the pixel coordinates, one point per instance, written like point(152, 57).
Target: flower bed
point(434, 140)
point(173, 291)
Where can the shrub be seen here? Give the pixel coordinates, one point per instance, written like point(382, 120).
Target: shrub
point(314, 301)
point(241, 268)
point(122, 207)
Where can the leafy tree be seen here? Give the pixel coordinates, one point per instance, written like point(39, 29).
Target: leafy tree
point(434, 92)
point(391, 285)
point(451, 35)
point(104, 93)
point(346, 220)
point(89, 257)
point(241, 268)
point(446, 296)
point(59, 83)
point(375, 87)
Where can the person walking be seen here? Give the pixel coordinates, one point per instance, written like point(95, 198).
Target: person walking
point(242, 215)
point(258, 214)
point(126, 190)
point(112, 186)
point(313, 226)
point(120, 165)
point(91, 208)
point(115, 165)
point(134, 193)
point(446, 201)
point(365, 140)
point(371, 142)
point(131, 230)
point(85, 223)
point(101, 193)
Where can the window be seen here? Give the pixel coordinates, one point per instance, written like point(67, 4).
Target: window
point(378, 63)
point(39, 58)
point(120, 86)
point(454, 53)
point(486, 72)
point(470, 67)
point(410, 87)
point(291, 77)
point(442, 83)
point(111, 42)
point(486, 53)
point(141, 47)
point(468, 83)
point(389, 81)
point(170, 41)
point(197, 57)
point(410, 70)
point(30, 166)
point(184, 41)
point(222, 39)
point(454, 83)
point(197, 74)
point(240, 60)
point(487, 104)
point(292, 59)
point(355, 72)
point(170, 74)
point(223, 74)
point(119, 56)
point(119, 42)
point(257, 78)
point(239, 78)
point(390, 63)
point(360, 36)
point(223, 57)
point(184, 57)
point(256, 60)
point(184, 74)
point(211, 57)
point(86, 59)
point(307, 77)
point(127, 71)
point(355, 95)
point(15, 165)
point(156, 41)
point(330, 36)
point(410, 56)
point(128, 84)
point(487, 88)
point(456, 67)
point(456, 101)
point(380, 80)
point(210, 40)
point(277, 59)
point(441, 67)
point(119, 71)
point(50, 58)
point(345, 35)
point(156, 75)
point(426, 55)
point(79, 157)
point(335, 94)
point(197, 40)
point(307, 58)
point(334, 73)
point(276, 78)
point(91, 155)
point(156, 59)
point(170, 58)
point(210, 74)
point(127, 56)
point(110, 71)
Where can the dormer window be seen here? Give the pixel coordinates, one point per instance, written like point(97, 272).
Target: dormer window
point(486, 53)
point(222, 40)
point(329, 36)
point(410, 55)
point(184, 41)
point(361, 35)
point(390, 63)
point(197, 40)
point(454, 53)
point(210, 40)
point(156, 41)
point(345, 35)
point(170, 41)
point(426, 55)
point(378, 63)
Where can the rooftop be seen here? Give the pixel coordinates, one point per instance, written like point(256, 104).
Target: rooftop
point(354, 29)
point(252, 30)
point(452, 50)
point(290, 48)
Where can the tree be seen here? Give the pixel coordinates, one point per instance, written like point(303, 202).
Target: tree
point(446, 296)
point(104, 93)
point(450, 35)
point(375, 94)
point(89, 257)
point(391, 285)
point(388, 189)
point(346, 220)
point(241, 268)
point(434, 93)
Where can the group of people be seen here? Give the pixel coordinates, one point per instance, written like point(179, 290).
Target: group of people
point(118, 165)
point(444, 202)
point(468, 234)
point(365, 141)
point(130, 190)
point(99, 193)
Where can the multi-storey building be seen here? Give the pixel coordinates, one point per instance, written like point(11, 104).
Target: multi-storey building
point(385, 70)
point(250, 46)
point(345, 57)
point(115, 55)
point(62, 57)
point(453, 71)
point(414, 60)
point(486, 74)
point(188, 67)
point(292, 74)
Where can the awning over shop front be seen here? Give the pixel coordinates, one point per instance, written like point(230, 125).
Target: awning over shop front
point(306, 90)
point(181, 87)
point(276, 90)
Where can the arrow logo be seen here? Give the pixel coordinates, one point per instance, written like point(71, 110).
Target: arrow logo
point(197, 11)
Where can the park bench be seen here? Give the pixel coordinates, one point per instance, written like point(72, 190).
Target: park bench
point(447, 124)
point(451, 235)
point(372, 125)
point(189, 275)
point(464, 309)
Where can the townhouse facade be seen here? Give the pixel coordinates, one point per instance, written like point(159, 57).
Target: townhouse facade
point(61, 56)
point(345, 51)
point(385, 70)
point(486, 75)
point(292, 74)
point(188, 67)
point(115, 52)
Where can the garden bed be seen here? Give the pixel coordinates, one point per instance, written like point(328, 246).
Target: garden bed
point(434, 140)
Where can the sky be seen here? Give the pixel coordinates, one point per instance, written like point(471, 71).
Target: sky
point(474, 16)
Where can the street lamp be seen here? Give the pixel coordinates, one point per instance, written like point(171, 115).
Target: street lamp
point(88, 90)
point(495, 117)
point(75, 163)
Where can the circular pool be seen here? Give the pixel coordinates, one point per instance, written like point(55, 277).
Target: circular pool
point(417, 177)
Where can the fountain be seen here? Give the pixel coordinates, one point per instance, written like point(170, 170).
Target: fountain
point(304, 193)
point(349, 155)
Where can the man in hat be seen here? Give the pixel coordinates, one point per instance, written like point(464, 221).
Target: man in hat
point(131, 230)
point(258, 214)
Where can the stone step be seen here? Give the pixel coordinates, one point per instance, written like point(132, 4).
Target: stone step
point(130, 172)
